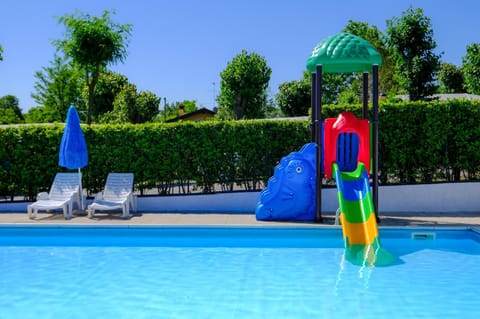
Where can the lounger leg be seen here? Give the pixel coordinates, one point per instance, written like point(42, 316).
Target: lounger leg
point(67, 211)
point(126, 210)
point(29, 211)
point(91, 212)
point(133, 203)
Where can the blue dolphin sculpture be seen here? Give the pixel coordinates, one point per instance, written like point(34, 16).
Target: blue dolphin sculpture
point(290, 192)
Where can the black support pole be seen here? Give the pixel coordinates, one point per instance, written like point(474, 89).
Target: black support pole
point(319, 140)
point(375, 139)
point(365, 95)
point(314, 109)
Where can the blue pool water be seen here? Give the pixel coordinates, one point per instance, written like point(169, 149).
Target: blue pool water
point(211, 272)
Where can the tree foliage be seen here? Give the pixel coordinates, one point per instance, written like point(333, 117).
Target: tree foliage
point(93, 43)
point(411, 38)
point(8, 116)
point(333, 84)
point(294, 97)
point(1, 53)
point(451, 79)
point(147, 107)
point(10, 111)
point(40, 114)
point(122, 105)
point(109, 85)
point(132, 107)
point(387, 82)
point(471, 68)
point(243, 86)
point(57, 87)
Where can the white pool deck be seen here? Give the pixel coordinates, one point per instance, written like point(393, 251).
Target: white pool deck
point(387, 219)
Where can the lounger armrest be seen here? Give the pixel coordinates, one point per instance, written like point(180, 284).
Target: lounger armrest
point(42, 196)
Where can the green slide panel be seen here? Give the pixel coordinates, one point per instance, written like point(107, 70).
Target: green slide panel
point(357, 214)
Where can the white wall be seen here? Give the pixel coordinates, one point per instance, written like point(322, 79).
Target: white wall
point(241, 202)
point(448, 197)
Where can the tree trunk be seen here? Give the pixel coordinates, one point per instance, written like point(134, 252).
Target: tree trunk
point(239, 108)
point(91, 91)
point(91, 100)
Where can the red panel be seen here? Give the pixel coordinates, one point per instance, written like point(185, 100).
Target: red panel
point(346, 122)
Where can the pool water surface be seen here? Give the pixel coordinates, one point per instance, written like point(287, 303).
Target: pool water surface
point(236, 272)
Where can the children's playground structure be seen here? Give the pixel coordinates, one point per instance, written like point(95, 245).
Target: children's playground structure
point(344, 148)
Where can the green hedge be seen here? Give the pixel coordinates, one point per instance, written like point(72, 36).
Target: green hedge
point(419, 142)
point(428, 142)
point(165, 158)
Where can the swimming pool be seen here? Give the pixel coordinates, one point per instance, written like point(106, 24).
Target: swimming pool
point(235, 272)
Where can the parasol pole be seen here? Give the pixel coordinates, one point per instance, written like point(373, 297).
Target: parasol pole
point(81, 189)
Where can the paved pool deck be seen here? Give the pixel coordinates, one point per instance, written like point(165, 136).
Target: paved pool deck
point(386, 220)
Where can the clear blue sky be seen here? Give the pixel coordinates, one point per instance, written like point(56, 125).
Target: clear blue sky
point(179, 47)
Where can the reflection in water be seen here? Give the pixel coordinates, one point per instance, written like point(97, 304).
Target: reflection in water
point(372, 255)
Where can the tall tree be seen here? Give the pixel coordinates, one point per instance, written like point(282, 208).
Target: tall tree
point(57, 87)
point(93, 43)
point(471, 68)
point(451, 79)
point(1, 52)
point(243, 86)
point(411, 38)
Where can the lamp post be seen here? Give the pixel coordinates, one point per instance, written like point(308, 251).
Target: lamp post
point(214, 94)
point(165, 108)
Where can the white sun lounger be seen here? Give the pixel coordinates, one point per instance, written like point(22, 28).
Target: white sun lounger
point(117, 195)
point(64, 193)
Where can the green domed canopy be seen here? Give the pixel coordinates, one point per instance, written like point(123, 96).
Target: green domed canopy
point(344, 53)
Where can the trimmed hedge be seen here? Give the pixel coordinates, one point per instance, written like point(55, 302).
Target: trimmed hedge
point(429, 142)
point(419, 142)
point(165, 158)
